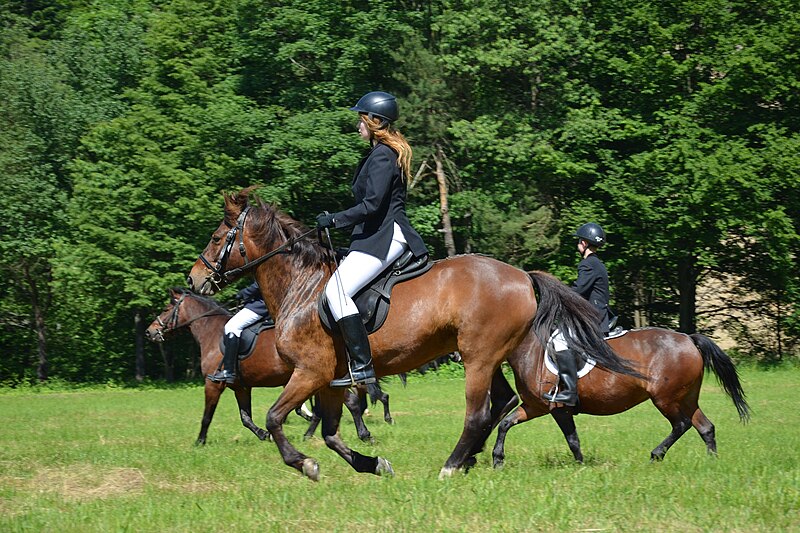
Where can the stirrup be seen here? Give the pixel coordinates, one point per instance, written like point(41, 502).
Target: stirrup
point(359, 377)
point(559, 396)
point(221, 376)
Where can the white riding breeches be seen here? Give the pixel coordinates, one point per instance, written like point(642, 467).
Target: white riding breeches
point(241, 320)
point(559, 342)
point(355, 272)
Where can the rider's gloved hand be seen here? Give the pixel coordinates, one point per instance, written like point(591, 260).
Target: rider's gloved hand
point(324, 220)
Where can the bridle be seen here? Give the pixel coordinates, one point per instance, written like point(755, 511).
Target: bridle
point(172, 322)
point(219, 275)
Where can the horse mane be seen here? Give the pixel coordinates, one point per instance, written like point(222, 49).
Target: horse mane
point(209, 302)
point(269, 223)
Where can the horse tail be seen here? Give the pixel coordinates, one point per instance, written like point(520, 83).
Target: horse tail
point(717, 361)
point(561, 307)
point(375, 392)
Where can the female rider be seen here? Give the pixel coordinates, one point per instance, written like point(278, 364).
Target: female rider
point(381, 229)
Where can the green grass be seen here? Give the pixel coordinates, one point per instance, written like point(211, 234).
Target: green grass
point(124, 460)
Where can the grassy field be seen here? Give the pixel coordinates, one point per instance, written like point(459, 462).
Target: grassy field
point(124, 460)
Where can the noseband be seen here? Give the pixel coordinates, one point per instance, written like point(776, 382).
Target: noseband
point(172, 322)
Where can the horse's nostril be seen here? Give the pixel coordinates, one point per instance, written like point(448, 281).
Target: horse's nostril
point(189, 281)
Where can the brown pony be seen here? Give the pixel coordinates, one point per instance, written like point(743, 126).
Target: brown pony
point(206, 319)
point(479, 306)
point(674, 364)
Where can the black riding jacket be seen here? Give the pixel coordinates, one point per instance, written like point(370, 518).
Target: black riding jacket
point(592, 284)
point(380, 195)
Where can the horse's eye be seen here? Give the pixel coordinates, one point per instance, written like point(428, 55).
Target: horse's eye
point(215, 239)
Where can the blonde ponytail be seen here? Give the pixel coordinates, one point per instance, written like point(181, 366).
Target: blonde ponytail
point(389, 136)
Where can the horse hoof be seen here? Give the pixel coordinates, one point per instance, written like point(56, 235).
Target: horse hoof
point(446, 472)
point(263, 435)
point(498, 465)
point(311, 469)
point(384, 468)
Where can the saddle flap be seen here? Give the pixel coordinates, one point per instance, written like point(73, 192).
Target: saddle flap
point(373, 300)
point(247, 340)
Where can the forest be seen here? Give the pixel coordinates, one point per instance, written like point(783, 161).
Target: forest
point(674, 124)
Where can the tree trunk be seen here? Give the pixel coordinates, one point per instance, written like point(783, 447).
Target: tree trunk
point(447, 228)
point(168, 359)
point(687, 286)
point(139, 328)
point(38, 309)
point(640, 305)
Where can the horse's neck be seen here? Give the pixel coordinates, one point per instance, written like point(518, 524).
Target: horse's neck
point(207, 331)
point(286, 287)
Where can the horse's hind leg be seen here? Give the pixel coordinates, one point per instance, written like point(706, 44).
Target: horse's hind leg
point(503, 400)
point(517, 417)
point(353, 403)
point(244, 400)
point(477, 422)
point(331, 411)
point(680, 425)
point(706, 430)
point(691, 408)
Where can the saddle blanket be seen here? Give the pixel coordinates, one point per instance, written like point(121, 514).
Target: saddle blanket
point(550, 363)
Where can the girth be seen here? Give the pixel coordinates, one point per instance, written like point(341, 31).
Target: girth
point(373, 300)
point(247, 341)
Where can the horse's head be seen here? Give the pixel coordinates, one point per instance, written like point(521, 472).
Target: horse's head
point(225, 251)
point(184, 307)
point(168, 319)
point(247, 237)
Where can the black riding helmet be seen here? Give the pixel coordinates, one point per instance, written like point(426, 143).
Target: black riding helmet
point(592, 233)
point(378, 104)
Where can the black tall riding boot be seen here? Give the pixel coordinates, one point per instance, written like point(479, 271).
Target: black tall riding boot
point(357, 342)
point(568, 376)
point(230, 351)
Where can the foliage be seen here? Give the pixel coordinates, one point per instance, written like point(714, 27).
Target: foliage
point(673, 125)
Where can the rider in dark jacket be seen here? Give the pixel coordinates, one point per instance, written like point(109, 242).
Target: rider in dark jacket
point(254, 310)
point(592, 284)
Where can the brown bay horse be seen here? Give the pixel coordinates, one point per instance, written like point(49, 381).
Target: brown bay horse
point(206, 318)
point(481, 307)
point(674, 364)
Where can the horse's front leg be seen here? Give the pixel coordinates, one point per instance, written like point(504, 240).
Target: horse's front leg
point(315, 419)
point(477, 422)
point(331, 401)
point(565, 420)
point(212, 393)
point(353, 403)
point(299, 388)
